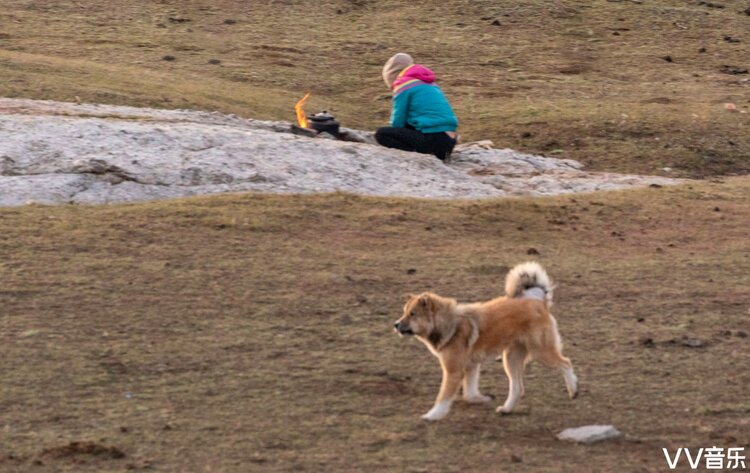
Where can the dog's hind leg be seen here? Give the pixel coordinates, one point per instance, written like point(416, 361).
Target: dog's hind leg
point(514, 360)
point(551, 356)
point(471, 385)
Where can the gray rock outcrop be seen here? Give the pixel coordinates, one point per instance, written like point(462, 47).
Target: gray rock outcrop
point(54, 152)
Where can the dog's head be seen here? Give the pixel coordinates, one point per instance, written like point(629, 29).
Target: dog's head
point(419, 316)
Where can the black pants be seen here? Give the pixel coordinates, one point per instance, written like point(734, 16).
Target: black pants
point(409, 139)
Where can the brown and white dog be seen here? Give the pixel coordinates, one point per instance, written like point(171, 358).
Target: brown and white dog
point(518, 326)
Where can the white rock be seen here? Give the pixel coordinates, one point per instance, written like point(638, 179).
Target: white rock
point(483, 144)
point(590, 433)
point(55, 152)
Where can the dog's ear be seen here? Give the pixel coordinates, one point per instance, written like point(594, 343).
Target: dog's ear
point(408, 297)
point(426, 301)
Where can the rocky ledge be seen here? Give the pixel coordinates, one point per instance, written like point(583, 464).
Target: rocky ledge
point(55, 152)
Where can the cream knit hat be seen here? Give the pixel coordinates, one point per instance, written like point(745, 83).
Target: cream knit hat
point(394, 66)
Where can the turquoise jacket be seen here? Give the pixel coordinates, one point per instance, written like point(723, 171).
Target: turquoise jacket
point(419, 102)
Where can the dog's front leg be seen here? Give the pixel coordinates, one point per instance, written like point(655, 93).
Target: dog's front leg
point(448, 389)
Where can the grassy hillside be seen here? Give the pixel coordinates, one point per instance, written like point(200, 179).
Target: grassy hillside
point(621, 86)
point(253, 333)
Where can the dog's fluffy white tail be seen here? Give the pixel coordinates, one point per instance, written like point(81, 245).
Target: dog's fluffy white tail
point(530, 281)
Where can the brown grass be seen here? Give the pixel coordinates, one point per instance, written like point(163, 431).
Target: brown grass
point(253, 333)
point(569, 78)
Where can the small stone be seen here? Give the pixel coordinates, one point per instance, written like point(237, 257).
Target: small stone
point(702, 50)
point(168, 57)
point(590, 433)
point(693, 343)
point(741, 334)
point(668, 58)
point(532, 251)
point(646, 341)
point(641, 319)
point(516, 459)
point(734, 70)
point(710, 4)
point(496, 23)
point(214, 61)
point(230, 21)
point(717, 209)
point(411, 271)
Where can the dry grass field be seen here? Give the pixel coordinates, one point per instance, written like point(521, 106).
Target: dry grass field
point(254, 333)
point(246, 333)
point(620, 86)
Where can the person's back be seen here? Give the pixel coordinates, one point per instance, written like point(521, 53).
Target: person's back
point(420, 103)
point(421, 119)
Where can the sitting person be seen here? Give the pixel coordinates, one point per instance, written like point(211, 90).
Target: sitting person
point(422, 119)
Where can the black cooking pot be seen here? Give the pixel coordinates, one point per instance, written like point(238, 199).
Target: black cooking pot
point(324, 122)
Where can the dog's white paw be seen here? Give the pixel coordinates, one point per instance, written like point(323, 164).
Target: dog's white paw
point(571, 382)
point(477, 398)
point(503, 410)
point(433, 417)
point(437, 412)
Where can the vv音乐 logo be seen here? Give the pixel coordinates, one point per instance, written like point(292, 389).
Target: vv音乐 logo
point(714, 458)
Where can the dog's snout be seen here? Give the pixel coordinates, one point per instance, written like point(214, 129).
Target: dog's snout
point(402, 329)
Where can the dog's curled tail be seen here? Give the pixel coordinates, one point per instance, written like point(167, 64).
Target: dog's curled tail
point(529, 281)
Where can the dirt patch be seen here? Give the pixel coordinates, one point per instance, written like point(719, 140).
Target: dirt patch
point(82, 449)
point(382, 388)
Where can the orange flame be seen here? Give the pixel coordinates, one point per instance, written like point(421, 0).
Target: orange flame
point(301, 117)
